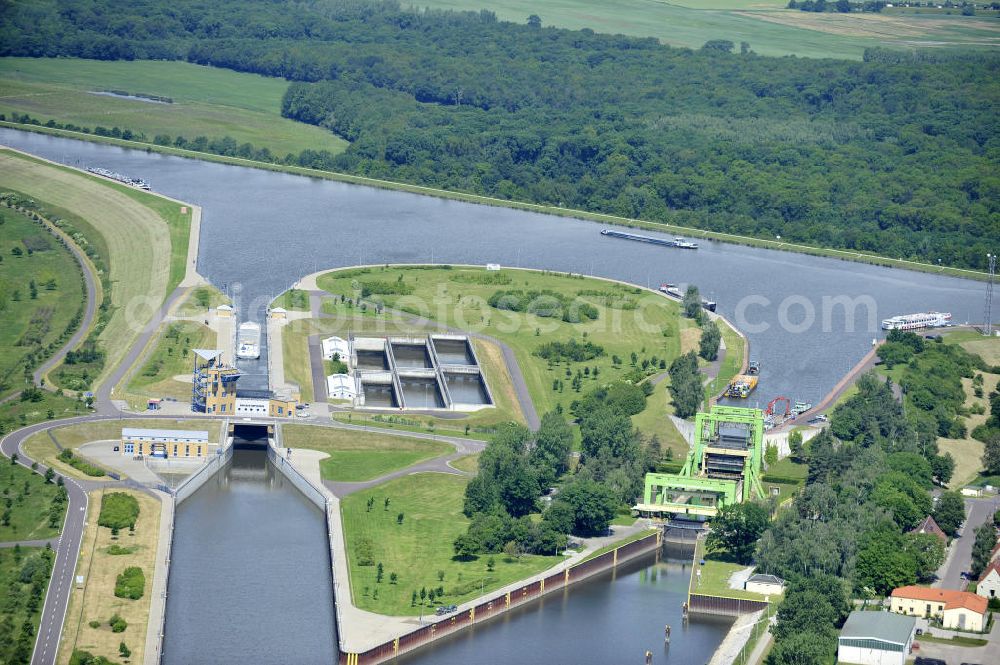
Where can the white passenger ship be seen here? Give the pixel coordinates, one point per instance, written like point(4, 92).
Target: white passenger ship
point(915, 321)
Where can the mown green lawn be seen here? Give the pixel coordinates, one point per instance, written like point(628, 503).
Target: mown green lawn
point(356, 456)
point(207, 101)
point(420, 549)
point(30, 499)
point(33, 316)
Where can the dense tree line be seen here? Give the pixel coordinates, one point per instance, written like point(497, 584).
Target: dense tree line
point(895, 155)
point(868, 485)
point(519, 467)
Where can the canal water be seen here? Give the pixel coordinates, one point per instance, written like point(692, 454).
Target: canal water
point(262, 230)
point(609, 619)
point(249, 573)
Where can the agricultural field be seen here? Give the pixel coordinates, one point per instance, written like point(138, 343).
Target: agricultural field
point(418, 550)
point(144, 265)
point(41, 291)
point(765, 24)
point(104, 556)
point(357, 456)
point(205, 101)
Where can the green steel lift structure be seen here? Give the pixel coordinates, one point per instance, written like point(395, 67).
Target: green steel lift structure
point(723, 467)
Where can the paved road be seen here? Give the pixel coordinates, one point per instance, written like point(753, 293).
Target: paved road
point(67, 548)
point(960, 553)
point(441, 464)
point(102, 397)
point(51, 542)
point(316, 365)
point(954, 655)
point(90, 310)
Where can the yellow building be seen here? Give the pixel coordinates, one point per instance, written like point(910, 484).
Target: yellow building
point(165, 443)
point(954, 609)
point(213, 383)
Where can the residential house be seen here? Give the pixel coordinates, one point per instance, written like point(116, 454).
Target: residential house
point(959, 610)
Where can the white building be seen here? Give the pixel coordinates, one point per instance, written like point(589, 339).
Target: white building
point(876, 638)
point(766, 585)
point(338, 346)
point(341, 386)
point(989, 581)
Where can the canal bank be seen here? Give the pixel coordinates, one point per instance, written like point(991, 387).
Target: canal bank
point(366, 638)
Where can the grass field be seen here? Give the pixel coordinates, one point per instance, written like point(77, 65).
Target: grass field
point(20, 602)
point(207, 101)
point(469, 463)
point(145, 264)
point(356, 456)
point(715, 574)
point(167, 370)
point(96, 601)
point(15, 413)
point(31, 499)
point(40, 292)
point(765, 24)
point(199, 300)
point(421, 546)
point(458, 298)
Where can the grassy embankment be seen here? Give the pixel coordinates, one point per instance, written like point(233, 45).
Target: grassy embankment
point(731, 238)
point(629, 320)
point(41, 447)
point(30, 515)
point(419, 549)
point(41, 291)
point(715, 574)
point(145, 264)
point(765, 24)
point(357, 456)
point(199, 301)
point(206, 101)
point(96, 601)
point(166, 371)
point(24, 577)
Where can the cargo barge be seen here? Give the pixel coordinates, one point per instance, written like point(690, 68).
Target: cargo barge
point(138, 183)
point(678, 241)
point(248, 341)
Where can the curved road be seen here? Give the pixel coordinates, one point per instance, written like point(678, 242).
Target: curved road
point(88, 315)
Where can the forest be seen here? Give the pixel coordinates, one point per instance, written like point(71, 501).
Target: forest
point(895, 155)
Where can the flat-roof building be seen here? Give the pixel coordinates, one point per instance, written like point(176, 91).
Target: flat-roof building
point(165, 442)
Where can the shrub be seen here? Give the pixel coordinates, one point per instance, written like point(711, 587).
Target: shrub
point(116, 550)
point(87, 658)
point(94, 624)
point(67, 457)
point(117, 623)
point(118, 510)
point(130, 583)
point(571, 350)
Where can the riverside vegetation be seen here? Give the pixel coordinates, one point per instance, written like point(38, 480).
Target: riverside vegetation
point(892, 155)
point(869, 482)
